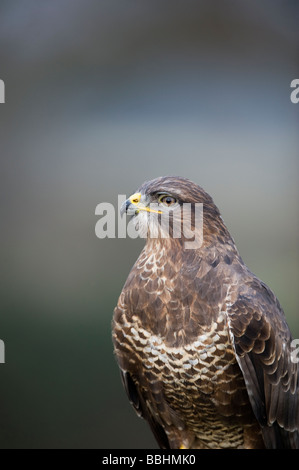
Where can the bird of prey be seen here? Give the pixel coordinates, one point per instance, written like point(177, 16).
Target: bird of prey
point(202, 344)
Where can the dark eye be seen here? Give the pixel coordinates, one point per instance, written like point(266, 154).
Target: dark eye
point(167, 200)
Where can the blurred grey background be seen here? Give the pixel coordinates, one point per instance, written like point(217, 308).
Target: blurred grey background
point(101, 96)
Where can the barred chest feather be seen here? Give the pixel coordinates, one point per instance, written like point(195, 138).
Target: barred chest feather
point(200, 381)
point(179, 348)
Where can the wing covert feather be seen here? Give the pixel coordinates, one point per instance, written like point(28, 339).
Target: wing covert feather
point(262, 342)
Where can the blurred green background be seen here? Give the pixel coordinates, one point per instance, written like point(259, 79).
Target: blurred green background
point(101, 96)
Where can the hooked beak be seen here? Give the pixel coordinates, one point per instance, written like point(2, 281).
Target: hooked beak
point(133, 205)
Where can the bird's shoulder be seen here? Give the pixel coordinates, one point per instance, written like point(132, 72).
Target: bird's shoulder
point(255, 316)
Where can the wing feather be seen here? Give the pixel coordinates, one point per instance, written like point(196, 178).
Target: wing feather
point(262, 342)
point(138, 402)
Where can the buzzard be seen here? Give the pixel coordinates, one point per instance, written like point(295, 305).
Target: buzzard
point(203, 345)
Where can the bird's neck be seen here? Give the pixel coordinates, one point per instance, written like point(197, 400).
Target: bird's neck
point(210, 246)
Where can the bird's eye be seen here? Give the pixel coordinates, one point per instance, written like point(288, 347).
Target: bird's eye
point(167, 200)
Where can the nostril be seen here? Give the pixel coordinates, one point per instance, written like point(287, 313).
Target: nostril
point(135, 198)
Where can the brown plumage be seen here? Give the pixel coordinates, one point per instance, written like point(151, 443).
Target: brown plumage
point(202, 344)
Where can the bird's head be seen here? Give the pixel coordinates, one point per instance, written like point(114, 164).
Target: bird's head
point(161, 206)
